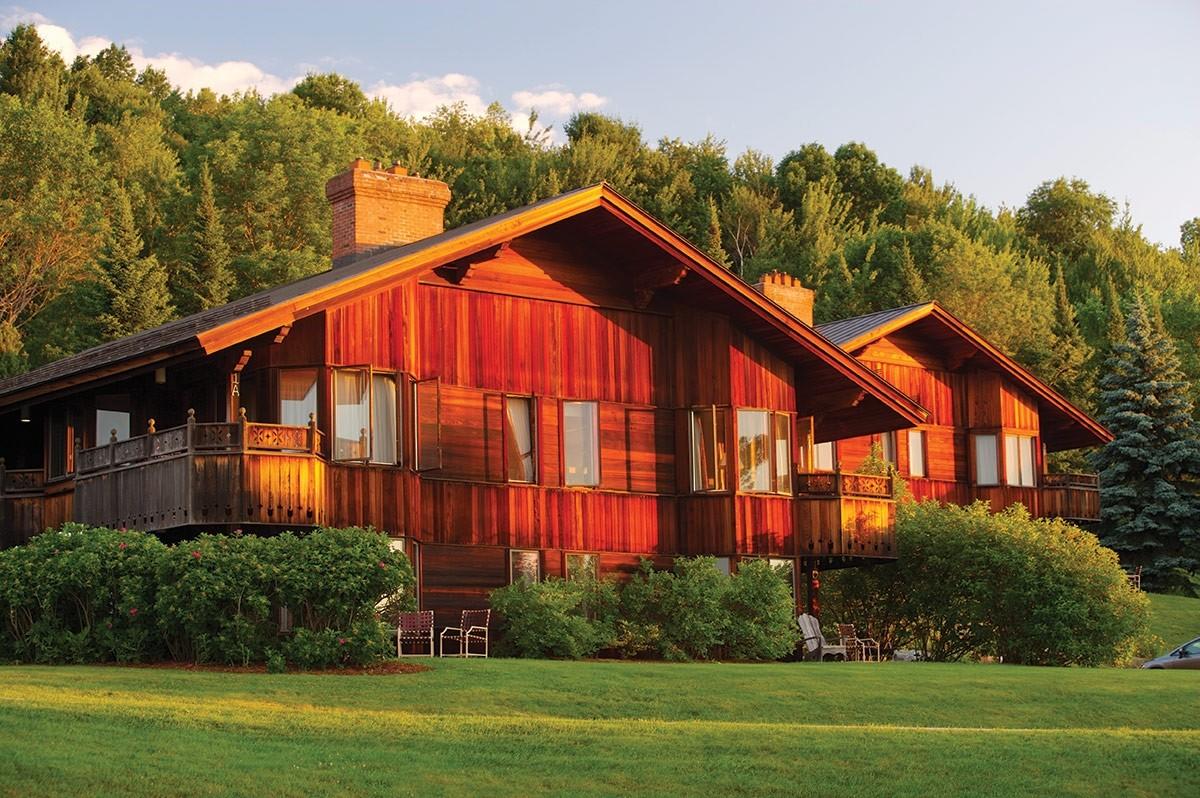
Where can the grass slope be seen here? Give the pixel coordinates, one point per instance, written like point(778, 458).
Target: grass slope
point(511, 727)
point(1176, 619)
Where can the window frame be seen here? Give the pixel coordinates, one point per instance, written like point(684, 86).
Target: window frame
point(567, 555)
point(833, 459)
point(537, 554)
point(1031, 442)
point(720, 449)
point(562, 443)
point(918, 434)
point(534, 449)
point(889, 449)
point(996, 437)
point(773, 480)
point(276, 382)
point(368, 457)
point(419, 465)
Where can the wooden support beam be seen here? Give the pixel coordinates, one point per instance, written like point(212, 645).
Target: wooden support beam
point(648, 281)
point(457, 271)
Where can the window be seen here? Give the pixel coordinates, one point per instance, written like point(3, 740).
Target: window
point(916, 453)
point(786, 569)
point(581, 449)
point(824, 456)
point(112, 415)
point(519, 439)
point(427, 410)
point(764, 452)
point(297, 396)
point(986, 460)
point(1019, 460)
point(524, 566)
point(723, 564)
point(583, 566)
point(709, 463)
point(887, 447)
point(351, 414)
point(385, 432)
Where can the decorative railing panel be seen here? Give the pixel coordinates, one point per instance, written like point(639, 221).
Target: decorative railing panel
point(22, 480)
point(831, 483)
point(867, 485)
point(218, 435)
point(1071, 481)
point(278, 437)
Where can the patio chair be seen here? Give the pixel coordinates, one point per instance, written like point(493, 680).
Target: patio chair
point(860, 648)
point(473, 628)
point(816, 644)
point(415, 630)
point(1135, 578)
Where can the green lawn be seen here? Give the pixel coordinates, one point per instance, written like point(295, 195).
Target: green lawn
point(601, 728)
point(1174, 618)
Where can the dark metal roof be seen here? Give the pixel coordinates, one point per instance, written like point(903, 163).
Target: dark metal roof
point(843, 331)
point(180, 331)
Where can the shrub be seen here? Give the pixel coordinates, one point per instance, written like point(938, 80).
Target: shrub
point(761, 613)
point(677, 614)
point(971, 583)
point(366, 641)
point(81, 594)
point(557, 618)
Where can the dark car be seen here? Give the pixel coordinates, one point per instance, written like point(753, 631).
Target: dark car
point(1186, 656)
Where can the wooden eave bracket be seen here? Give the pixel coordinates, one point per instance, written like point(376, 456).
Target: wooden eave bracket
point(242, 361)
point(457, 271)
point(282, 334)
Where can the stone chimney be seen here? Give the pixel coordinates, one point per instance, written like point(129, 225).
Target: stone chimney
point(787, 292)
point(374, 209)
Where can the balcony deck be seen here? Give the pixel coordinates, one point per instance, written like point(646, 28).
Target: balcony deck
point(1073, 497)
point(845, 515)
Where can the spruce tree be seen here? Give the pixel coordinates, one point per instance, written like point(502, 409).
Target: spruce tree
point(1150, 513)
point(712, 243)
point(1067, 366)
point(135, 295)
point(211, 269)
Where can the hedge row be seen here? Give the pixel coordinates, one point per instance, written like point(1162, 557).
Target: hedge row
point(84, 594)
point(693, 611)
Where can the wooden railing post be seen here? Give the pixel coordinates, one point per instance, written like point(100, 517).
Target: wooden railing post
point(78, 454)
point(362, 444)
point(112, 447)
point(314, 441)
point(242, 427)
point(191, 429)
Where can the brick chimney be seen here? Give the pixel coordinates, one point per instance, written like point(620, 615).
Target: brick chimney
point(374, 209)
point(787, 292)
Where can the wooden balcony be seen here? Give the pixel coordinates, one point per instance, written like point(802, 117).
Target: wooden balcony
point(842, 515)
point(1073, 497)
point(214, 474)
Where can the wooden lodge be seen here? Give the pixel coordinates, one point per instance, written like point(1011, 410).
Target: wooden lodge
point(566, 386)
point(990, 425)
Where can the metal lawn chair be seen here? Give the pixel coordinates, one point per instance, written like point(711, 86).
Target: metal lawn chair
point(815, 643)
point(473, 628)
point(860, 648)
point(415, 630)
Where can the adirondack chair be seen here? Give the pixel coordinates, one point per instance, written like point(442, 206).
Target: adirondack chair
point(473, 628)
point(816, 644)
point(860, 648)
point(415, 630)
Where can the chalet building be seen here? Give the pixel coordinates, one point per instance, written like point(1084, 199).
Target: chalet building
point(990, 425)
point(566, 387)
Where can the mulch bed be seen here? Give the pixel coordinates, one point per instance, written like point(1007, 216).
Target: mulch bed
point(388, 668)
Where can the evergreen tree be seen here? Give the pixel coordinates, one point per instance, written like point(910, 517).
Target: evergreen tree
point(1150, 512)
point(211, 270)
point(1066, 367)
point(712, 243)
point(28, 68)
point(134, 285)
point(912, 284)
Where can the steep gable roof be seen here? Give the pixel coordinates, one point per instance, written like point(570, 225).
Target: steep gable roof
point(1065, 426)
point(214, 330)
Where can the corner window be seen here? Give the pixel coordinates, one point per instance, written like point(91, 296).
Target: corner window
point(583, 566)
point(297, 396)
point(1019, 459)
point(519, 439)
point(112, 418)
point(385, 431)
point(707, 431)
point(824, 456)
point(764, 452)
point(887, 447)
point(723, 564)
point(524, 566)
point(986, 459)
point(581, 444)
point(916, 453)
point(351, 414)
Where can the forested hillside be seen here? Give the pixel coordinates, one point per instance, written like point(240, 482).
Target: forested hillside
point(124, 203)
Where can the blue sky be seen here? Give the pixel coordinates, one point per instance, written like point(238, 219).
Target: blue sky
point(995, 97)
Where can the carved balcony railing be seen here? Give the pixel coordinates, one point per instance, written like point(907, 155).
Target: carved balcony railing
point(837, 483)
point(1075, 497)
point(19, 482)
point(845, 517)
point(236, 436)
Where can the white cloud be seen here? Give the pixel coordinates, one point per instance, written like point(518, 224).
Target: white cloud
point(554, 102)
point(419, 98)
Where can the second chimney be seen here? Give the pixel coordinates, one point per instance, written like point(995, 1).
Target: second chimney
point(789, 293)
point(374, 209)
